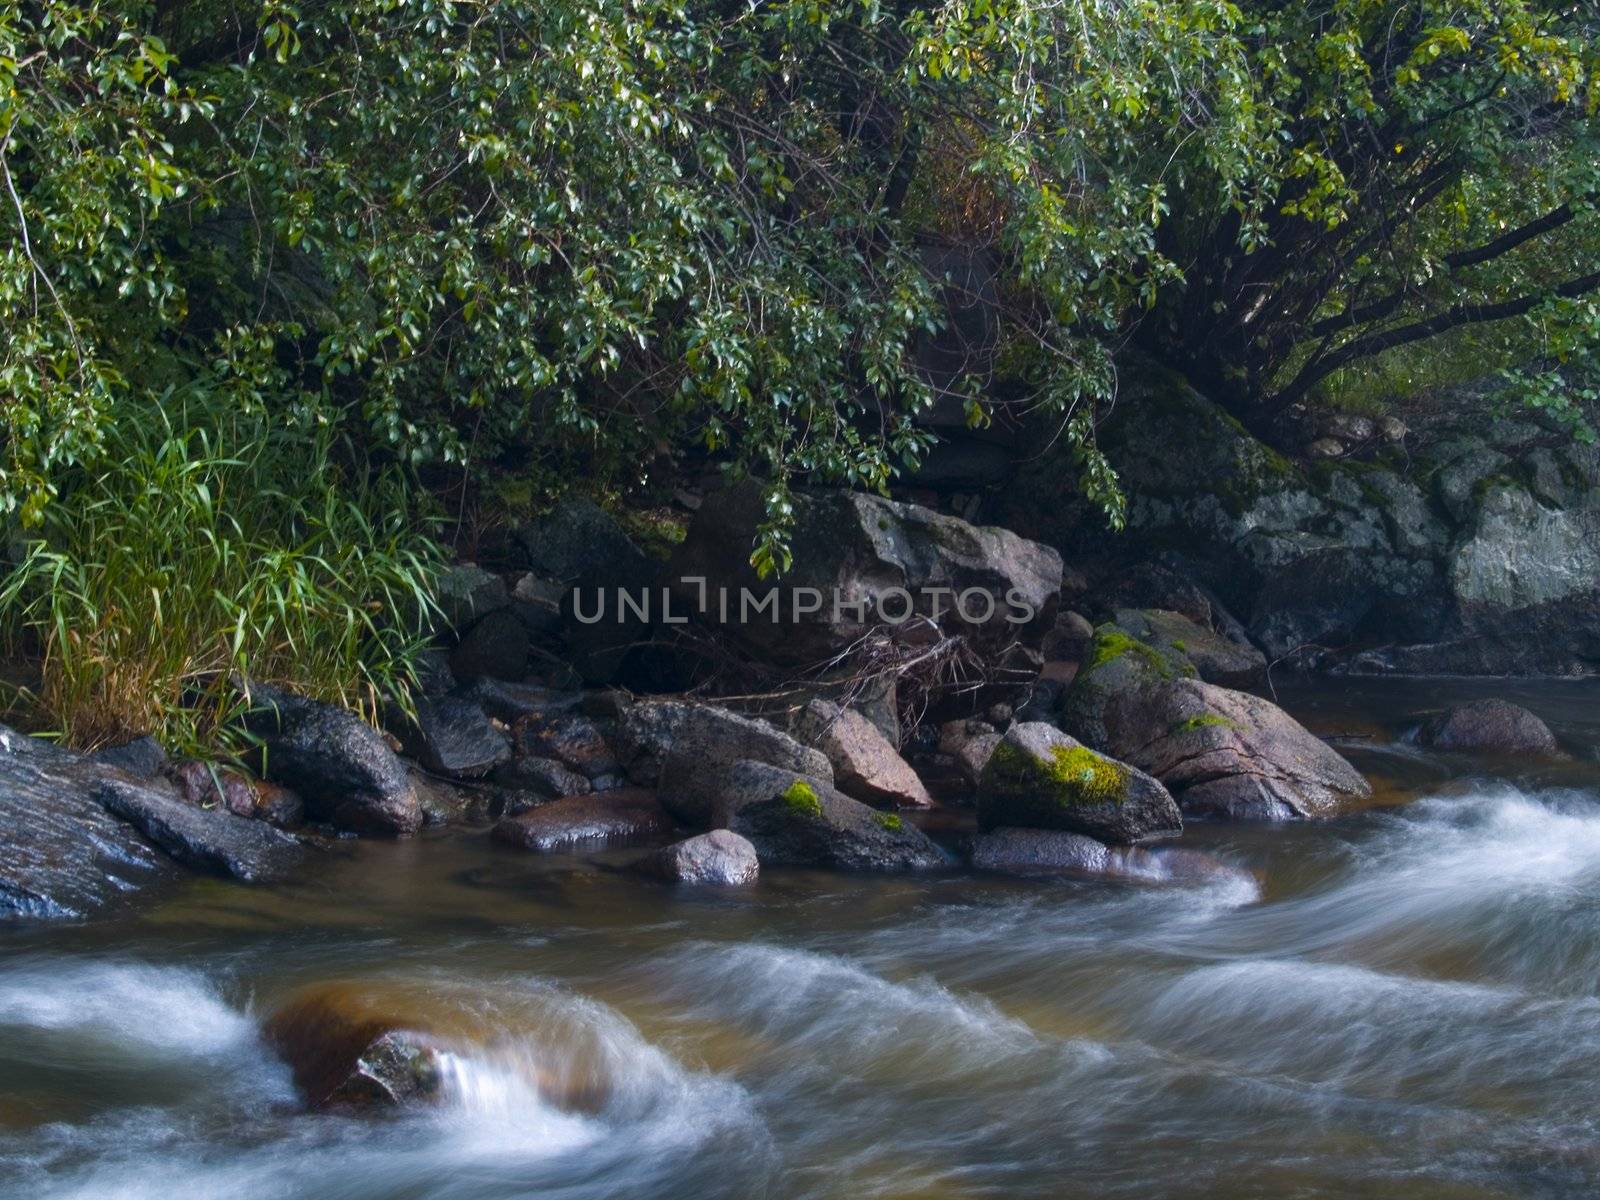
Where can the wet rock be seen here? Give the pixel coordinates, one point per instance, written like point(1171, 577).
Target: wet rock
point(797, 821)
point(1229, 754)
point(578, 538)
point(207, 785)
point(865, 765)
point(1216, 659)
point(341, 767)
point(969, 744)
point(1492, 726)
point(1051, 851)
point(466, 593)
point(495, 647)
point(510, 702)
point(852, 553)
point(1039, 778)
point(719, 857)
point(570, 738)
point(616, 817)
point(61, 853)
point(212, 840)
point(143, 757)
point(528, 782)
point(453, 736)
point(451, 802)
point(346, 1051)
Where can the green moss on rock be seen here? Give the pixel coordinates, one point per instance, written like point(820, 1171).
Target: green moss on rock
point(1111, 643)
point(889, 821)
point(1072, 776)
point(801, 799)
point(1204, 721)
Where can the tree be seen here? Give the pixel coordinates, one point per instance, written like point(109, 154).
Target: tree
point(1435, 166)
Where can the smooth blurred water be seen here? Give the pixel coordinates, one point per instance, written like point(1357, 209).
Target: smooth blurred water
point(1399, 1003)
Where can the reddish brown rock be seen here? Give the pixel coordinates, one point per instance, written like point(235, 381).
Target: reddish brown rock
point(618, 816)
point(865, 765)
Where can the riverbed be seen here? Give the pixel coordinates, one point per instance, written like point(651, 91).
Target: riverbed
point(1401, 1002)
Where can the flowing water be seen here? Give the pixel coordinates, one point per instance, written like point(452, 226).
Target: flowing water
point(1400, 1003)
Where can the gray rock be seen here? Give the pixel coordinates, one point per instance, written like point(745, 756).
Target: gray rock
point(794, 820)
point(495, 647)
point(570, 738)
point(1039, 778)
point(466, 593)
point(1326, 447)
point(510, 702)
point(1495, 726)
point(851, 552)
point(1215, 659)
point(865, 765)
point(720, 857)
point(1118, 664)
point(655, 734)
point(341, 767)
point(1229, 754)
point(579, 538)
point(453, 736)
point(1052, 852)
point(527, 782)
point(143, 757)
point(618, 817)
point(61, 853)
point(212, 840)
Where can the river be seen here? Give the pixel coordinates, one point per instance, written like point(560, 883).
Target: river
point(1402, 1002)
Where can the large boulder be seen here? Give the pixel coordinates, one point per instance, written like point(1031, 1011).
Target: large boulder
point(341, 766)
point(1229, 754)
point(1118, 664)
point(1490, 726)
point(862, 562)
point(618, 817)
point(719, 857)
point(1040, 778)
point(865, 765)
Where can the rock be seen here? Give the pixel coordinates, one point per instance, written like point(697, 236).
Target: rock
point(862, 562)
point(1039, 778)
point(1326, 447)
point(1392, 429)
point(1069, 639)
point(496, 647)
point(794, 820)
point(451, 802)
point(720, 857)
point(1494, 726)
point(341, 767)
point(206, 785)
point(1118, 664)
point(685, 739)
point(969, 743)
point(616, 817)
point(61, 853)
point(434, 676)
point(453, 736)
point(1347, 427)
point(143, 757)
point(212, 840)
point(1215, 659)
point(528, 782)
point(865, 765)
point(1229, 754)
point(570, 738)
point(1053, 851)
point(576, 538)
point(510, 702)
point(466, 593)
point(346, 1050)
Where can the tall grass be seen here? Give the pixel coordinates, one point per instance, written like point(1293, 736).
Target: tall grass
point(203, 544)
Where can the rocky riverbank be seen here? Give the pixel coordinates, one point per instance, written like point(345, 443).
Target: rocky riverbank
point(913, 662)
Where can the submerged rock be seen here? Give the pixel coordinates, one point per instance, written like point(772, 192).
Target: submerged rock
point(340, 765)
point(1494, 726)
point(1038, 777)
point(865, 765)
point(616, 817)
point(1229, 754)
point(719, 857)
point(1051, 851)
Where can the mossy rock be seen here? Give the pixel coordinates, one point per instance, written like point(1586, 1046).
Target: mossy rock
point(1118, 664)
point(1040, 778)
